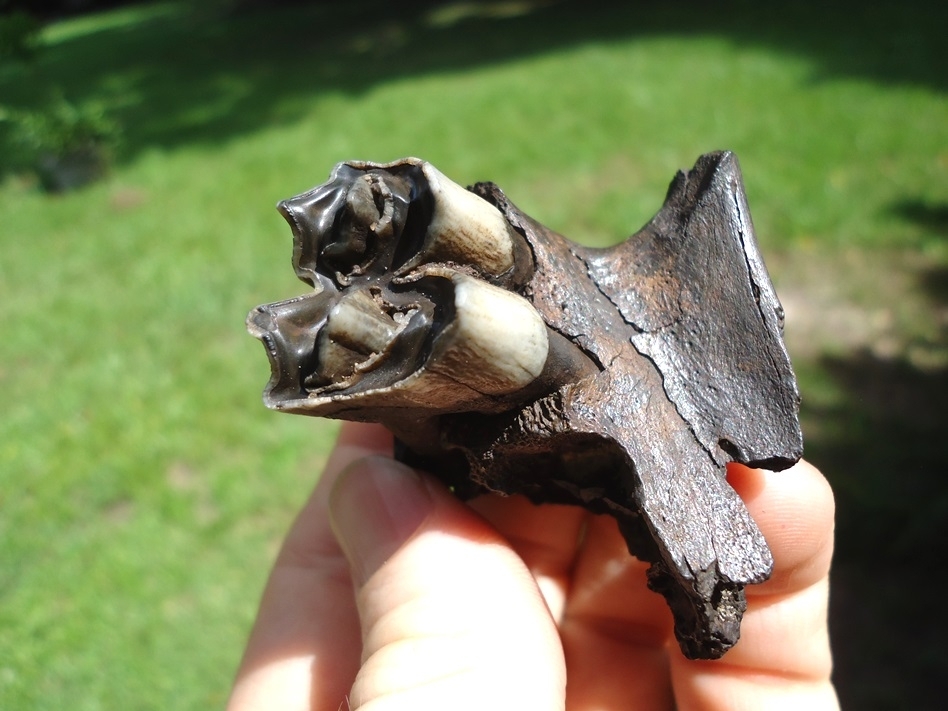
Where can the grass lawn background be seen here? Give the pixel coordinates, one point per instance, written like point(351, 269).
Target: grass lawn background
point(144, 488)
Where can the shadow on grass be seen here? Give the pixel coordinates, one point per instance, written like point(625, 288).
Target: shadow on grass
point(884, 448)
point(933, 217)
point(175, 75)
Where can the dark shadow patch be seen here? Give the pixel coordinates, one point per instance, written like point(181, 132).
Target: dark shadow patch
point(883, 446)
point(930, 216)
point(935, 283)
point(186, 75)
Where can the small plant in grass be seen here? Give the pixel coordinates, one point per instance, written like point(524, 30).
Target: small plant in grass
point(69, 144)
point(19, 35)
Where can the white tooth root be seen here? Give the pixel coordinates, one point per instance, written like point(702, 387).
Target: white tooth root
point(465, 228)
point(497, 342)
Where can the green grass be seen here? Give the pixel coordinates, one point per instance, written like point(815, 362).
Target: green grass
point(143, 487)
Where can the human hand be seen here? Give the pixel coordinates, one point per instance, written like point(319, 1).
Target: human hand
point(389, 593)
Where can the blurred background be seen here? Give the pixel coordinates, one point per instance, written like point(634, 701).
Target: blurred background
point(144, 487)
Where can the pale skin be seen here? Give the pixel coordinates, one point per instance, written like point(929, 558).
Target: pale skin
point(389, 594)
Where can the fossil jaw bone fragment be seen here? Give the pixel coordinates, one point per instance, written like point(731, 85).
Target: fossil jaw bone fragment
point(507, 359)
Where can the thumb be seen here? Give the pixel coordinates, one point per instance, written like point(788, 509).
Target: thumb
point(450, 615)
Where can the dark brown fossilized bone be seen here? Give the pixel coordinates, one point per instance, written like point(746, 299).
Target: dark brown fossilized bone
point(505, 358)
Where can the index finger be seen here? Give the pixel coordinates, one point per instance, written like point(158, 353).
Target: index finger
point(304, 649)
point(311, 534)
point(783, 657)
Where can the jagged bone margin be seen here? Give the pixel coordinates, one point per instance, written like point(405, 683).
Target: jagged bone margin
point(507, 359)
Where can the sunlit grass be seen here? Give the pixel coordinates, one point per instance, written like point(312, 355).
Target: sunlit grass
point(143, 486)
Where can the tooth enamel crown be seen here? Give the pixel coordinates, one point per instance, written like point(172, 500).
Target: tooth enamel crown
point(493, 343)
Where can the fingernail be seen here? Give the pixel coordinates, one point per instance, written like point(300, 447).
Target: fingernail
point(375, 506)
